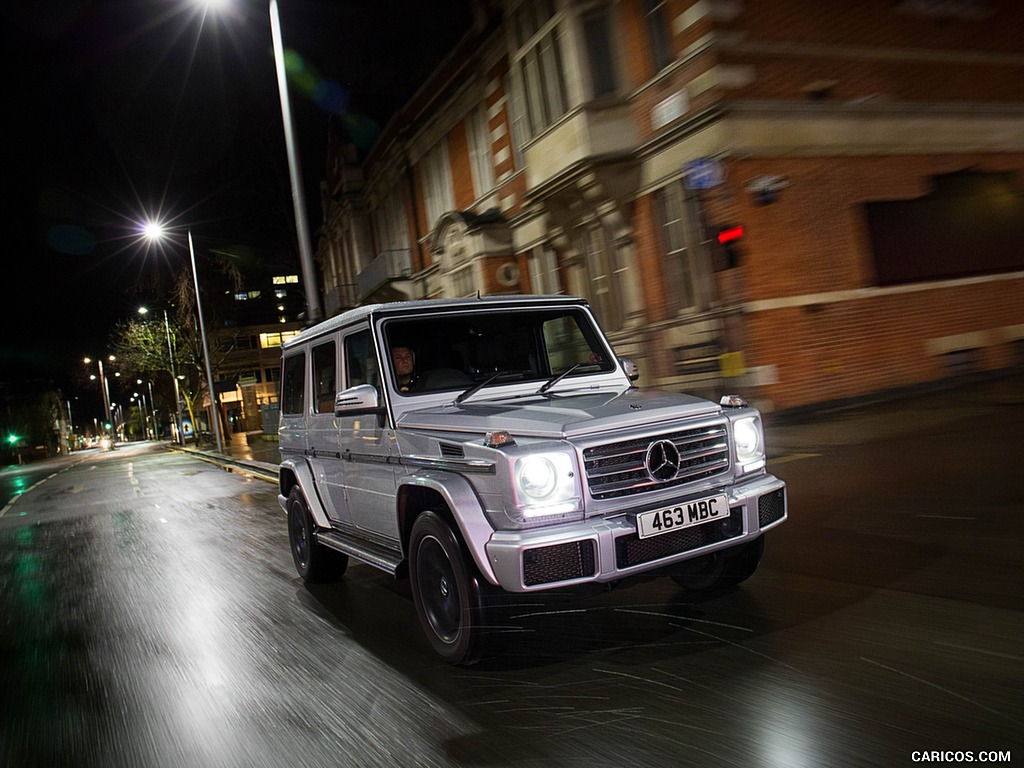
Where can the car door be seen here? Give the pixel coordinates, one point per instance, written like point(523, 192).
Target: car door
point(367, 445)
point(292, 425)
point(323, 448)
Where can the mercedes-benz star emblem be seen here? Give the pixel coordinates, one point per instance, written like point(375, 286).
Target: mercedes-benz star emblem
point(663, 460)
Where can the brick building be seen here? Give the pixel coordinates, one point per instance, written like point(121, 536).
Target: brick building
point(872, 154)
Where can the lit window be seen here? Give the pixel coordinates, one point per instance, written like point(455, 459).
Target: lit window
point(270, 340)
point(284, 279)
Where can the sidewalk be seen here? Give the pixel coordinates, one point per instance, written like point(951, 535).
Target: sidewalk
point(249, 452)
point(253, 446)
point(887, 416)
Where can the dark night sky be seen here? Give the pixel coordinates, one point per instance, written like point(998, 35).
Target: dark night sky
point(140, 106)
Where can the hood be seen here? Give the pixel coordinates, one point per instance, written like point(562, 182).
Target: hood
point(563, 415)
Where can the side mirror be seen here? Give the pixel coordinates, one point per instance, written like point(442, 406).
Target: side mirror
point(358, 400)
point(630, 368)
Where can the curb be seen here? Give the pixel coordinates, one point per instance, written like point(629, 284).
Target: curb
point(262, 470)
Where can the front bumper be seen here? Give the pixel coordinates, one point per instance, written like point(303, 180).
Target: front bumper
point(607, 548)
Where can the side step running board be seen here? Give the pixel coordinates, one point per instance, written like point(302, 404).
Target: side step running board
point(379, 557)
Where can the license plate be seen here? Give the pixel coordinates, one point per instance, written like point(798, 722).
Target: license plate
point(684, 515)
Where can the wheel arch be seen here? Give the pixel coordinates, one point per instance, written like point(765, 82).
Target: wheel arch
point(445, 493)
point(298, 474)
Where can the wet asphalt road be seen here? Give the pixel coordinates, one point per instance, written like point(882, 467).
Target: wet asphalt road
point(150, 616)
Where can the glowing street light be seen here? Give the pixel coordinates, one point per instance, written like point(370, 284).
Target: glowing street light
point(155, 231)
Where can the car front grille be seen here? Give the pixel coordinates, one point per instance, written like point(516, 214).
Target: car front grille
point(621, 469)
point(631, 550)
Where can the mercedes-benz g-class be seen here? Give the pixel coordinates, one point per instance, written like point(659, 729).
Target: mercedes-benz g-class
point(489, 446)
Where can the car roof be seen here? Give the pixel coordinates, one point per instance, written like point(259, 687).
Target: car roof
point(486, 303)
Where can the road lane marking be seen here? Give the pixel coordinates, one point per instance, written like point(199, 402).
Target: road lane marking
point(971, 649)
point(773, 460)
point(18, 495)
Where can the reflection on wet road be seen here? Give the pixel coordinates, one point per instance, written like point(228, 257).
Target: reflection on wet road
point(151, 616)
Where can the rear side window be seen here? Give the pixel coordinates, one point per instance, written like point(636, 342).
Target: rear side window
point(324, 378)
point(293, 384)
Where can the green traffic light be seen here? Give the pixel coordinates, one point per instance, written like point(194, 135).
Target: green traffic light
point(12, 439)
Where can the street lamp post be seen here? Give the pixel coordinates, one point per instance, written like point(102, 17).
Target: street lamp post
point(104, 389)
point(214, 404)
point(141, 398)
point(152, 408)
point(179, 436)
point(313, 310)
point(155, 231)
point(174, 377)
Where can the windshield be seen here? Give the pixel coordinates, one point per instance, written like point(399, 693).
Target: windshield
point(460, 352)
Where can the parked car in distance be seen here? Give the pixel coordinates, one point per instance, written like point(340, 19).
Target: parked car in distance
point(492, 446)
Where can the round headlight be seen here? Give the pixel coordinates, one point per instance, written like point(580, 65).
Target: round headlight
point(536, 477)
point(748, 439)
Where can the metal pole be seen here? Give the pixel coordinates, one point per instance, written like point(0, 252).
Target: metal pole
point(174, 375)
point(145, 417)
point(314, 314)
point(214, 406)
point(152, 408)
point(106, 396)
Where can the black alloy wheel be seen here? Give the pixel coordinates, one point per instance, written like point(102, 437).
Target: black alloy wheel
point(313, 562)
point(446, 589)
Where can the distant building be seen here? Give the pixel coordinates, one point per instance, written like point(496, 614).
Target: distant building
point(800, 200)
point(248, 367)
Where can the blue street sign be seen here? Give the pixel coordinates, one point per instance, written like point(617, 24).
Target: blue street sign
point(703, 173)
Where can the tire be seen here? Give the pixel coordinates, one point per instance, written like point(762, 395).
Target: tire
point(315, 564)
point(447, 590)
point(743, 561)
point(718, 570)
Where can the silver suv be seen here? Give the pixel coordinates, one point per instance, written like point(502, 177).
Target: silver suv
point(489, 446)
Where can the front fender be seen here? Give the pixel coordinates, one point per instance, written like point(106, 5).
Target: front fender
point(307, 486)
point(466, 509)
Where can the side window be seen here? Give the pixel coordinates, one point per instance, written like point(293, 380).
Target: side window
point(293, 384)
point(324, 377)
point(361, 360)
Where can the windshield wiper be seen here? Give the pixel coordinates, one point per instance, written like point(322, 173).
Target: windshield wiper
point(555, 379)
point(493, 377)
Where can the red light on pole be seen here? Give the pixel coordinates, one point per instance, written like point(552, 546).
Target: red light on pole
point(730, 234)
point(726, 253)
